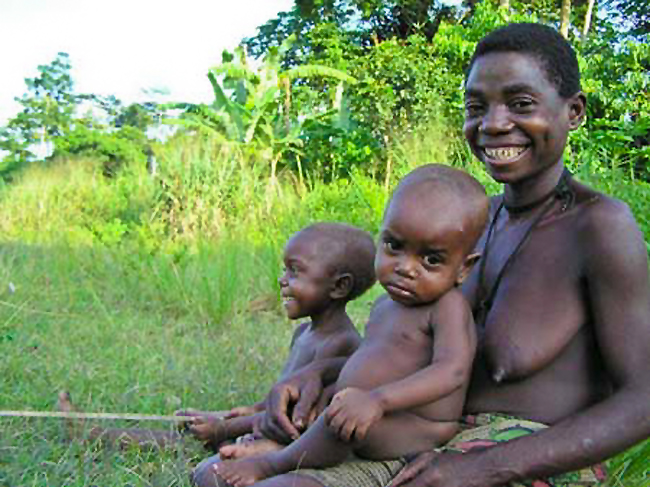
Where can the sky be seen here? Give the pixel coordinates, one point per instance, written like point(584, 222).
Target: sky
point(121, 47)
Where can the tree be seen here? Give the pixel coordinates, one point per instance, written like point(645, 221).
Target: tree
point(253, 107)
point(632, 15)
point(565, 18)
point(47, 111)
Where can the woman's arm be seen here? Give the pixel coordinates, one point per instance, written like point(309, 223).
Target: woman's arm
point(301, 390)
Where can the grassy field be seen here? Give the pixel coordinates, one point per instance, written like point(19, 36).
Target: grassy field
point(107, 291)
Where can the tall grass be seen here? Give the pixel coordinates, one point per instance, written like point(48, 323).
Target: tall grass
point(146, 294)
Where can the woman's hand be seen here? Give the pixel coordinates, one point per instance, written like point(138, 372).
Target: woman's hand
point(433, 469)
point(302, 391)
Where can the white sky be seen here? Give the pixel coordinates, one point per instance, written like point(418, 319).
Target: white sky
point(121, 47)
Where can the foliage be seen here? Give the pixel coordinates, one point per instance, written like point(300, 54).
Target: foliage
point(47, 110)
point(632, 15)
point(112, 150)
point(254, 107)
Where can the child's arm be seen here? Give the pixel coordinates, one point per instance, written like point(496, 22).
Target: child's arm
point(353, 411)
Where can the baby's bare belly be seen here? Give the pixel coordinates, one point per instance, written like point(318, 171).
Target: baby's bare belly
point(379, 363)
point(382, 362)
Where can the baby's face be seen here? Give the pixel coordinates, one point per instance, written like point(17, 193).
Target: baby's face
point(305, 284)
point(421, 251)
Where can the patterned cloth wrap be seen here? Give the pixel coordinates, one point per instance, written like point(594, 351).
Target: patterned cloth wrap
point(477, 431)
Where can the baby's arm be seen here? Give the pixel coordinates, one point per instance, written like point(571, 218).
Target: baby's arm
point(353, 411)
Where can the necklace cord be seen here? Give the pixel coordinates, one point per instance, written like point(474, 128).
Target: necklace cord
point(562, 192)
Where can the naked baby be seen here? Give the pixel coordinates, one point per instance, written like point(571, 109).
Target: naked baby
point(326, 266)
point(403, 390)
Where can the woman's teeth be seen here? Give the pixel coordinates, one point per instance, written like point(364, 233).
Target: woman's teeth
point(504, 153)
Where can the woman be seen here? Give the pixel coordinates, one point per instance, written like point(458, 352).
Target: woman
point(561, 296)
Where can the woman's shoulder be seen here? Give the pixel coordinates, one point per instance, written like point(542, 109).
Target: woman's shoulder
point(604, 224)
point(598, 212)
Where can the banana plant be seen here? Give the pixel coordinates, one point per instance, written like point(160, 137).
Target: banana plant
point(253, 107)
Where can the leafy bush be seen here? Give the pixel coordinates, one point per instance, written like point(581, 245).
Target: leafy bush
point(113, 150)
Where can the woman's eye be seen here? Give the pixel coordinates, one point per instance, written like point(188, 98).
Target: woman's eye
point(522, 104)
point(473, 108)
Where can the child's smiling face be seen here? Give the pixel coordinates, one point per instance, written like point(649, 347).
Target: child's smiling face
point(422, 246)
point(307, 281)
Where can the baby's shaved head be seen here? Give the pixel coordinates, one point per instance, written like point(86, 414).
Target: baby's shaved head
point(345, 249)
point(465, 195)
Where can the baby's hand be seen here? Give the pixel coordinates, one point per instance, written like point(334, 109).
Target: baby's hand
point(241, 411)
point(352, 412)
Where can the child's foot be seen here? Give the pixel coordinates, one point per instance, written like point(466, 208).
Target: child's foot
point(245, 472)
point(247, 448)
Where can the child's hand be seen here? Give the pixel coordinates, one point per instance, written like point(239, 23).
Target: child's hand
point(210, 430)
point(241, 411)
point(352, 412)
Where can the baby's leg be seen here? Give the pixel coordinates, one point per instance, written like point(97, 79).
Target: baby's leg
point(317, 447)
point(399, 434)
point(204, 475)
point(214, 431)
point(392, 437)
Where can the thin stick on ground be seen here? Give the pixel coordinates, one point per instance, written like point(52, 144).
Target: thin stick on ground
point(113, 416)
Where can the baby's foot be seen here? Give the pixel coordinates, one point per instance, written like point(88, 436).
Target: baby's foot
point(245, 472)
point(248, 448)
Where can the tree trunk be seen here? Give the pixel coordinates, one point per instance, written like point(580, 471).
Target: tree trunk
point(585, 29)
point(565, 14)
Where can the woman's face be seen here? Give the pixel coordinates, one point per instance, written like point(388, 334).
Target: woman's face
point(516, 122)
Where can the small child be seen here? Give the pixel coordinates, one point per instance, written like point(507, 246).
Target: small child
point(402, 392)
point(326, 266)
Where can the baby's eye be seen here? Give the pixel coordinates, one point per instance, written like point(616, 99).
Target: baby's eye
point(392, 245)
point(289, 270)
point(432, 260)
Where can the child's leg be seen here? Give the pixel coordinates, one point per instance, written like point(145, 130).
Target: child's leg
point(394, 436)
point(317, 447)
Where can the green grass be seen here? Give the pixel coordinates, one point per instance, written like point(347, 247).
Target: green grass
point(82, 320)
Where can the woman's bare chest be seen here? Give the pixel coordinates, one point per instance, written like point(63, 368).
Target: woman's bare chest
point(530, 304)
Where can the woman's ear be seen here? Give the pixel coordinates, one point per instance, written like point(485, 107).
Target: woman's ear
point(465, 269)
point(577, 110)
point(342, 285)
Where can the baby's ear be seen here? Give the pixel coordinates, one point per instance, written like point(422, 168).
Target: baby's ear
point(465, 269)
point(342, 285)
